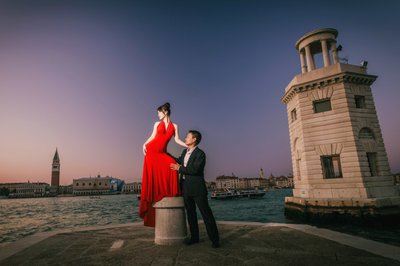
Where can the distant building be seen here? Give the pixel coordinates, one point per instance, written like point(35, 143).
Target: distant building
point(135, 187)
point(25, 190)
point(257, 182)
point(227, 182)
point(281, 181)
point(55, 174)
point(233, 182)
point(65, 190)
point(290, 181)
point(211, 185)
point(96, 185)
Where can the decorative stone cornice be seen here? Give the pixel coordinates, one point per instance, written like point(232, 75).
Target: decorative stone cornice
point(344, 77)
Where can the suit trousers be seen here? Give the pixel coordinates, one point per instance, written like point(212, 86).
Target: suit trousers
point(202, 203)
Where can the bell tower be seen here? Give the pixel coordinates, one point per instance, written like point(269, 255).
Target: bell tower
point(55, 174)
point(339, 160)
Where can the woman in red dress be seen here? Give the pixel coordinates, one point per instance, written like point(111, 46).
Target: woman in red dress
point(158, 180)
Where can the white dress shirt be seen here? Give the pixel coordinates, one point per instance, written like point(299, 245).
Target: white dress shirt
point(187, 156)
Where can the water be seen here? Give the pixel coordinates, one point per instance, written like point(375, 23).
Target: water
point(268, 209)
point(23, 217)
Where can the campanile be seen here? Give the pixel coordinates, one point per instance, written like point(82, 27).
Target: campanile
point(55, 173)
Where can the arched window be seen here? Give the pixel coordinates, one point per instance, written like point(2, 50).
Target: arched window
point(366, 133)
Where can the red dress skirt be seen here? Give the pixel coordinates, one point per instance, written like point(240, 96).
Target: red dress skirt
point(158, 180)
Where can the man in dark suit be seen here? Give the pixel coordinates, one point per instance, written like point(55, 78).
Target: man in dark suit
point(190, 166)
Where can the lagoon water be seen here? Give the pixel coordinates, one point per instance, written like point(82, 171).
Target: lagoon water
point(23, 217)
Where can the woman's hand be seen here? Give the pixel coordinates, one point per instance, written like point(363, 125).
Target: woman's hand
point(144, 149)
point(151, 137)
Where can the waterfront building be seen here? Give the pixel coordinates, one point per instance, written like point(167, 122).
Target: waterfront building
point(25, 190)
point(96, 185)
point(233, 182)
point(65, 190)
point(55, 174)
point(290, 181)
point(135, 187)
point(282, 182)
point(227, 182)
point(211, 185)
point(338, 155)
point(256, 182)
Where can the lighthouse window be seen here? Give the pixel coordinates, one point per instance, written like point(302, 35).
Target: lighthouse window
point(372, 163)
point(366, 133)
point(360, 101)
point(322, 105)
point(331, 167)
point(294, 115)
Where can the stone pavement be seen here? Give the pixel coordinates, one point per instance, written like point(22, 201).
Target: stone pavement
point(242, 243)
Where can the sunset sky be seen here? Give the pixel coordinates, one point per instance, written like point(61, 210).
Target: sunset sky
point(86, 77)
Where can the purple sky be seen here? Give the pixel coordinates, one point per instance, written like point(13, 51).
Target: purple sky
point(87, 77)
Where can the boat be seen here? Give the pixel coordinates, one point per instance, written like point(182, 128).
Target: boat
point(253, 193)
point(229, 194)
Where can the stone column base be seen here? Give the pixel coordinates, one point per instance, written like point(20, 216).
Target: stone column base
point(170, 221)
point(374, 211)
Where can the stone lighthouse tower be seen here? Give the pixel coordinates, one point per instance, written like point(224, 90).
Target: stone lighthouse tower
point(55, 174)
point(338, 155)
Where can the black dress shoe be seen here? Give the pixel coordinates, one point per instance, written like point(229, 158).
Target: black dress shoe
point(191, 241)
point(215, 245)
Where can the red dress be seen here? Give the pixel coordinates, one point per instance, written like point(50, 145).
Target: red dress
point(158, 180)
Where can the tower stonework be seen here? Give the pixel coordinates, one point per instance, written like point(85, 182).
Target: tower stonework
point(339, 160)
point(55, 174)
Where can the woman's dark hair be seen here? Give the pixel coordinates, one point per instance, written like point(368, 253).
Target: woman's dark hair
point(197, 135)
point(165, 108)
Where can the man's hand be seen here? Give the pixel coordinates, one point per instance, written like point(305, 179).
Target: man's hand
point(174, 166)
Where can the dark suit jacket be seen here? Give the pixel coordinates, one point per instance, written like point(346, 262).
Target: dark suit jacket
point(194, 184)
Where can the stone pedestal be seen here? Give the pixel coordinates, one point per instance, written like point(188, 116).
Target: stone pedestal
point(170, 221)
